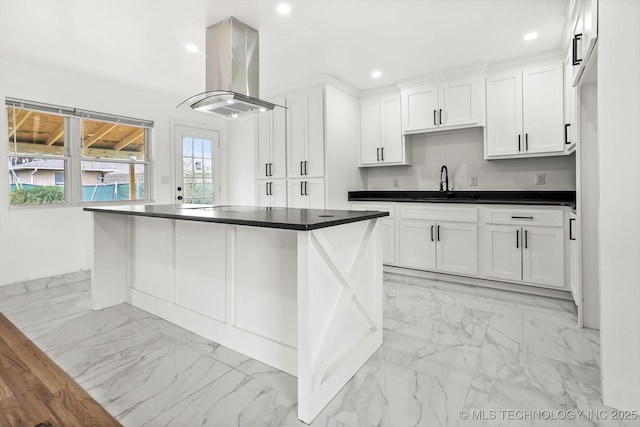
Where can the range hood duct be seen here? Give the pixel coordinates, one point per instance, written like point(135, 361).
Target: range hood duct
point(232, 79)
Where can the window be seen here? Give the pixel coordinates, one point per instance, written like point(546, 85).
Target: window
point(60, 155)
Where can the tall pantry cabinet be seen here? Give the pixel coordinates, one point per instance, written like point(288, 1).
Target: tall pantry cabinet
point(320, 147)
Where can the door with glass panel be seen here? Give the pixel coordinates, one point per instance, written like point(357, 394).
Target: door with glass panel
point(197, 175)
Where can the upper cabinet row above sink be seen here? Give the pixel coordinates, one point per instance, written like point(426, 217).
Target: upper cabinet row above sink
point(521, 107)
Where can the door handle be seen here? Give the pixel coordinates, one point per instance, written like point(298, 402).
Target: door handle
point(519, 146)
point(435, 123)
point(179, 197)
point(438, 233)
point(301, 192)
point(566, 133)
point(305, 188)
point(571, 229)
point(440, 116)
point(266, 169)
point(266, 189)
point(301, 169)
point(432, 233)
point(306, 166)
point(576, 60)
point(526, 142)
point(517, 239)
point(270, 169)
point(378, 154)
point(382, 151)
point(522, 217)
point(526, 245)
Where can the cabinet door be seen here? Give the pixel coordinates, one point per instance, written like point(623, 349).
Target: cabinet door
point(419, 108)
point(543, 256)
point(503, 254)
point(315, 133)
point(392, 139)
point(417, 244)
point(297, 141)
point(458, 102)
point(578, 46)
point(278, 192)
point(263, 198)
point(542, 99)
point(264, 144)
point(574, 262)
point(295, 194)
point(314, 189)
point(457, 248)
point(504, 114)
point(370, 132)
point(570, 102)
point(279, 141)
point(389, 241)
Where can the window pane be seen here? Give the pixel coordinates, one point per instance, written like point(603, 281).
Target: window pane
point(104, 140)
point(35, 133)
point(104, 181)
point(197, 147)
point(206, 147)
point(35, 181)
point(187, 146)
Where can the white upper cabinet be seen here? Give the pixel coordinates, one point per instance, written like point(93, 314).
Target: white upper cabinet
point(381, 139)
point(271, 143)
point(525, 112)
point(571, 128)
point(585, 34)
point(447, 104)
point(306, 133)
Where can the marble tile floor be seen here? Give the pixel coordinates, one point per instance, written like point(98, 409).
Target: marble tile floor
point(447, 348)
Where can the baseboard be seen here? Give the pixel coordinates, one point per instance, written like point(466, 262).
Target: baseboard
point(43, 283)
point(473, 281)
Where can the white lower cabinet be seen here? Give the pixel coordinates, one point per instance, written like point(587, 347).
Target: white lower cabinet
point(518, 252)
point(306, 193)
point(575, 265)
point(272, 193)
point(430, 240)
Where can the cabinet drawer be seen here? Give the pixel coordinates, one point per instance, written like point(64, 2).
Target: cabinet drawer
point(366, 206)
point(440, 213)
point(544, 217)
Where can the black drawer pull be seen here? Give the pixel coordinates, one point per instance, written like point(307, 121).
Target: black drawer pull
point(571, 229)
point(566, 133)
point(517, 239)
point(530, 218)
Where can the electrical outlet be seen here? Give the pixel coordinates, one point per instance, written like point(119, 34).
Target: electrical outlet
point(395, 183)
point(539, 179)
point(474, 181)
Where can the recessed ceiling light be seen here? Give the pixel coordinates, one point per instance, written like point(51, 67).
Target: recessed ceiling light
point(530, 36)
point(191, 48)
point(234, 115)
point(230, 101)
point(283, 9)
point(262, 110)
point(376, 74)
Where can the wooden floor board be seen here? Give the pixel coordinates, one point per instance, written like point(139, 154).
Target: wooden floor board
point(35, 390)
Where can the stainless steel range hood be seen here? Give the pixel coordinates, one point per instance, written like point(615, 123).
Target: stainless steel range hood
point(232, 80)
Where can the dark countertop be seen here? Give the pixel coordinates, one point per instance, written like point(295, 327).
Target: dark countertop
point(285, 218)
point(550, 198)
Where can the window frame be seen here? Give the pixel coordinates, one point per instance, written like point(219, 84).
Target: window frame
point(74, 154)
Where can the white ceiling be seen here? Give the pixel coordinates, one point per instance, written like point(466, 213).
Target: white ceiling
point(141, 42)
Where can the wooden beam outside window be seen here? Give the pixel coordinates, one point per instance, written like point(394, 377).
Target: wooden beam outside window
point(20, 119)
point(104, 129)
point(129, 139)
point(55, 135)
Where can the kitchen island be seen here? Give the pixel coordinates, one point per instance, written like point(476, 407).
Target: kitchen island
point(297, 289)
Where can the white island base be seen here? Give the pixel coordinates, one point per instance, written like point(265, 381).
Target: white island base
point(306, 302)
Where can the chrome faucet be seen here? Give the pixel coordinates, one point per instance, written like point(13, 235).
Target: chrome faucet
point(446, 178)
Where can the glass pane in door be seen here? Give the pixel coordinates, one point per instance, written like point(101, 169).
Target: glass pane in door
point(196, 165)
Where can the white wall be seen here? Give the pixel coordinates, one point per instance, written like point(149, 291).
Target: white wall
point(590, 199)
point(463, 153)
point(47, 241)
point(619, 215)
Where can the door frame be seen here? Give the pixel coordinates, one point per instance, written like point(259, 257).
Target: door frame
point(217, 152)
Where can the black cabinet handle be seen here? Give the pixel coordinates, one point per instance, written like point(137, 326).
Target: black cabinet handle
point(435, 123)
point(522, 217)
point(270, 169)
point(266, 189)
point(519, 146)
point(301, 169)
point(378, 154)
point(526, 245)
point(306, 167)
point(440, 116)
point(301, 192)
point(432, 233)
point(526, 142)
point(271, 188)
point(266, 169)
point(517, 239)
point(382, 151)
point(566, 133)
point(305, 188)
point(576, 60)
point(438, 233)
point(571, 229)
